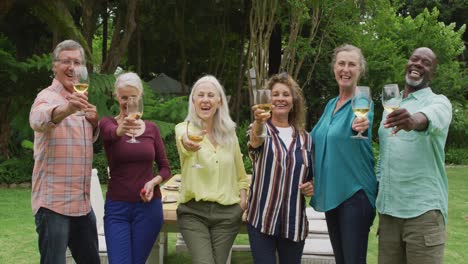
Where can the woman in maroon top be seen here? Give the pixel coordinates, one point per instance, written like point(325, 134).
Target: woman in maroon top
point(133, 213)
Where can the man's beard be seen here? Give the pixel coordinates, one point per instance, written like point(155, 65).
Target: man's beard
point(415, 84)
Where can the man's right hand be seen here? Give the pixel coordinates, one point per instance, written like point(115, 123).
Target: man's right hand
point(77, 101)
point(401, 119)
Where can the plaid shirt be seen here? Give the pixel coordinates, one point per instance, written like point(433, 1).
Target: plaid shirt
point(63, 155)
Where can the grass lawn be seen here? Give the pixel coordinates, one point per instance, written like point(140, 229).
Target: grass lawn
point(18, 238)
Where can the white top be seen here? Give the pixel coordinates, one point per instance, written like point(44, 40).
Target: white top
point(285, 133)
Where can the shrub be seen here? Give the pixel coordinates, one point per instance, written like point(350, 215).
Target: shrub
point(17, 169)
point(242, 136)
point(100, 163)
point(172, 154)
point(458, 126)
point(458, 156)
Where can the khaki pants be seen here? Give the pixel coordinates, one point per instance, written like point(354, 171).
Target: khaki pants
point(209, 229)
point(418, 240)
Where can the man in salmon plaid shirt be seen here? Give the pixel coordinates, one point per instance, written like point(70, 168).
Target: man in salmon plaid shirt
point(63, 154)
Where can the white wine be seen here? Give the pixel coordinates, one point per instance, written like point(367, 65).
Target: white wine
point(195, 138)
point(391, 108)
point(265, 107)
point(80, 87)
point(136, 115)
point(361, 112)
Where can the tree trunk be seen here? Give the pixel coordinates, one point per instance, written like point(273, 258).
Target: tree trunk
point(179, 19)
point(47, 11)
point(138, 50)
point(119, 44)
point(5, 119)
point(105, 17)
point(240, 74)
point(262, 20)
point(5, 6)
point(274, 58)
point(91, 11)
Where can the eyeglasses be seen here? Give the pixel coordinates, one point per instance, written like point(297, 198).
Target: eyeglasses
point(67, 62)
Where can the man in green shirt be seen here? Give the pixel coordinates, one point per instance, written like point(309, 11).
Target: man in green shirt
point(413, 191)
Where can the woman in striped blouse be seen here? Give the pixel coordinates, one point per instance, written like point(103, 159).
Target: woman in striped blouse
point(282, 161)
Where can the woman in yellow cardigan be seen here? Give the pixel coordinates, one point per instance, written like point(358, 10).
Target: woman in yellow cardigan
point(213, 193)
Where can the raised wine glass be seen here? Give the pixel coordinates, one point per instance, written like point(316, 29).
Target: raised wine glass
point(263, 101)
point(361, 103)
point(135, 111)
point(197, 137)
point(391, 99)
point(81, 82)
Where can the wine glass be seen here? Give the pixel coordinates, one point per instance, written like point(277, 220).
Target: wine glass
point(391, 99)
point(196, 137)
point(134, 111)
point(263, 101)
point(81, 82)
point(361, 103)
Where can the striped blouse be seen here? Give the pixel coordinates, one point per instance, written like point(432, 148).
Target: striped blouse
point(276, 205)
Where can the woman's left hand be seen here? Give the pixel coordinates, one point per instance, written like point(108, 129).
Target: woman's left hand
point(360, 124)
point(243, 204)
point(147, 193)
point(307, 189)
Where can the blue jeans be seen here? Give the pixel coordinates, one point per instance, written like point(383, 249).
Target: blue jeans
point(57, 231)
point(131, 229)
point(264, 248)
point(349, 225)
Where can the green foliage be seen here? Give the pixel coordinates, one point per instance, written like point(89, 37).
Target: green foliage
point(172, 154)
point(101, 94)
point(17, 169)
point(387, 48)
point(457, 156)
point(459, 126)
point(100, 163)
point(166, 113)
point(27, 144)
point(243, 139)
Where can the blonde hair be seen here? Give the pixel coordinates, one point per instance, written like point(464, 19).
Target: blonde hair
point(351, 48)
point(224, 129)
point(297, 114)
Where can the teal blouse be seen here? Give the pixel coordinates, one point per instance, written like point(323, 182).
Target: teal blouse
point(343, 165)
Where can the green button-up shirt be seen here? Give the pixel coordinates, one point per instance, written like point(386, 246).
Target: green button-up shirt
point(411, 166)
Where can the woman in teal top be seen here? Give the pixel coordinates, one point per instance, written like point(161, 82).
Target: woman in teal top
point(345, 185)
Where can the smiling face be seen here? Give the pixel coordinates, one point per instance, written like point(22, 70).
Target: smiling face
point(282, 99)
point(347, 69)
point(122, 97)
point(63, 69)
point(206, 100)
point(420, 68)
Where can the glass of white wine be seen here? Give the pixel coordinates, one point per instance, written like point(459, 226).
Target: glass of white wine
point(263, 101)
point(196, 137)
point(81, 82)
point(361, 103)
point(391, 99)
point(135, 111)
